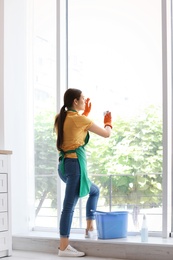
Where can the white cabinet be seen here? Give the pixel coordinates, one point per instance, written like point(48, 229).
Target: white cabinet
point(5, 204)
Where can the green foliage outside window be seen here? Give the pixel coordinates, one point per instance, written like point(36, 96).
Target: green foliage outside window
point(45, 160)
point(132, 156)
point(133, 153)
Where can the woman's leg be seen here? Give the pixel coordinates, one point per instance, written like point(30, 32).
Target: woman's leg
point(72, 179)
point(91, 207)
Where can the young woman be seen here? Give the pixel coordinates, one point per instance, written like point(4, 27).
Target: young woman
point(72, 129)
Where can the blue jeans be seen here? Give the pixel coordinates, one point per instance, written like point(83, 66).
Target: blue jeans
point(72, 179)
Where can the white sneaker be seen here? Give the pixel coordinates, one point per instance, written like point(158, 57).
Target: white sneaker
point(71, 252)
point(91, 234)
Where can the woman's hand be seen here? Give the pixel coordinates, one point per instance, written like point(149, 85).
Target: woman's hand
point(108, 119)
point(87, 107)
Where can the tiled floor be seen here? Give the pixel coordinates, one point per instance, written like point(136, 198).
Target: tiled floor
point(24, 255)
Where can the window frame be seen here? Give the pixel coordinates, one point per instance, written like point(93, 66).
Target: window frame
point(167, 117)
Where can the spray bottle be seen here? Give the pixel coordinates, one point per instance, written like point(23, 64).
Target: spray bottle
point(144, 230)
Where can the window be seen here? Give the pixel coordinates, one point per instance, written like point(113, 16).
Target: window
point(114, 52)
point(44, 74)
point(114, 56)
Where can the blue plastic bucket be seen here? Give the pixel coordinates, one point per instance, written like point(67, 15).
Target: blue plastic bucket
point(111, 224)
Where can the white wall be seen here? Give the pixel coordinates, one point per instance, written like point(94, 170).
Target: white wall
point(1, 74)
point(15, 107)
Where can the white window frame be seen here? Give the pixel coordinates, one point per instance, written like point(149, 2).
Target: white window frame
point(167, 117)
point(61, 77)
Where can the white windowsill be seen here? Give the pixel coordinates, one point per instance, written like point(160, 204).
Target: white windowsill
point(80, 236)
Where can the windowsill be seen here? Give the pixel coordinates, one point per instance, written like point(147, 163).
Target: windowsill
point(124, 248)
point(80, 236)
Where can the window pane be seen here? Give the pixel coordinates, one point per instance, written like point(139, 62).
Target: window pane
point(114, 49)
point(44, 74)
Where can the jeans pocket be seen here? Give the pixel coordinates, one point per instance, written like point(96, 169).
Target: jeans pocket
point(72, 167)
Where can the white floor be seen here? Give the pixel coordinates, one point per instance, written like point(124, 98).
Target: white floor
point(26, 255)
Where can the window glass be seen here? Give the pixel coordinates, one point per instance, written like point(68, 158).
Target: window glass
point(44, 75)
point(114, 56)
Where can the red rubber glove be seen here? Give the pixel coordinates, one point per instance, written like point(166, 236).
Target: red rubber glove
point(87, 107)
point(108, 119)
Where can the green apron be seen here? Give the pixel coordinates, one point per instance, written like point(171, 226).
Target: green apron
point(85, 183)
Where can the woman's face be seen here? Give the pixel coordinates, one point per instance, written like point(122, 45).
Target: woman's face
point(80, 104)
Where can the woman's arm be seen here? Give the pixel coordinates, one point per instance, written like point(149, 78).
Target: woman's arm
point(104, 132)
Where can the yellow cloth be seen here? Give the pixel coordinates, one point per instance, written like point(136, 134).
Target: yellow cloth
point(75, 131)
